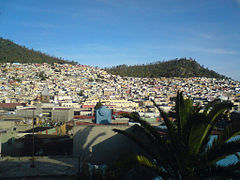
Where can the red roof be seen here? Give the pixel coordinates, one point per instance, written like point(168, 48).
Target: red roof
point(30, 108)
point(119, 123)
point(84, 123)
point(84, 117)
point(62, 108)
point(120, 112)
point(11, 105)
point(87, 106)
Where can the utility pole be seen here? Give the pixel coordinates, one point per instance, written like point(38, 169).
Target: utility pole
point(0, 144)
point(33, 119)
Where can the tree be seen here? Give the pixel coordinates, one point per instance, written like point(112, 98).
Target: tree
point(98, 105)
point(42, 75)
point(11, 52)
point(81, 93)
point(90, 80)
point(182, 67)
point(185, 152)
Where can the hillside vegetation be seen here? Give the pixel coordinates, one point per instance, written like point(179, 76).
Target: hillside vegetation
point(12, 52)
point(174, 68)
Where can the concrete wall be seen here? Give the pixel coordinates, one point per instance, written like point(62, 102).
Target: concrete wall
point(62, 115)
point(26, 113)
point(8, 145)
point(0, 144)
point(6, 124)
point(100, 144)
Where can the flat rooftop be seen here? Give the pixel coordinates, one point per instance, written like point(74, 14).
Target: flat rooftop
point(46, 167)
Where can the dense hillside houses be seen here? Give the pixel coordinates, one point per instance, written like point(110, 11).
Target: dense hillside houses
point(77, 85)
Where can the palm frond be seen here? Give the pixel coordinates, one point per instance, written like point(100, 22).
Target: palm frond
point(196, 138)
point(197, 133)
point(170, 127)
point(128, 161)
point(238, 156)
point(149, 130)
point(158, 147)
point(200, 133)
point(209, 106)
point(218, 152)
point(178, 107)
point(138, 142)
point(225, 172)
point(185, 151)
point(205, 142)
point(184, 109)
point(217, 109)
point(229, 132)
point(142, 160)
point(159, 143)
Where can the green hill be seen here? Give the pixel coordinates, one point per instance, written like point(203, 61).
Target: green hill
point(11, 52)
point(174, 68)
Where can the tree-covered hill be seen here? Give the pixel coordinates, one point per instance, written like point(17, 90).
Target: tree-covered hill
point(11, 52)
point(174, 68)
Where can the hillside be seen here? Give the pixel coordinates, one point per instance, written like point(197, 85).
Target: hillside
point(174, 68)
point(12, 52)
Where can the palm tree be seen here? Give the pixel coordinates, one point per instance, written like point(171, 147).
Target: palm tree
point(186, 152)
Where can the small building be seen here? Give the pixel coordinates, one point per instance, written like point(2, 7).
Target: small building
point(46, 113)
point(10, 106)
point(108, 91)
point(103, 115)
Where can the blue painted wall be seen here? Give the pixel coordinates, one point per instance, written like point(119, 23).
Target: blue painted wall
point(103, 116)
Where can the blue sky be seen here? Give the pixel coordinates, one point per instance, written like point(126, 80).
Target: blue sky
point(111, 32)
